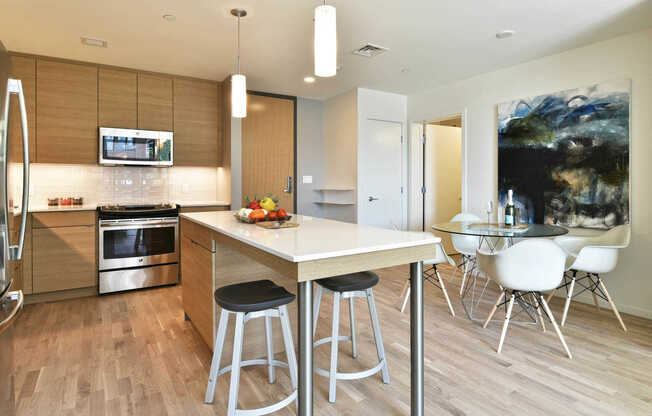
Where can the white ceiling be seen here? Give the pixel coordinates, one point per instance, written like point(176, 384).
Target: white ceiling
point(440, 41)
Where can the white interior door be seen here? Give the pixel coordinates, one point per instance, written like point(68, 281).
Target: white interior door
point(443, 177)
point(380, 172)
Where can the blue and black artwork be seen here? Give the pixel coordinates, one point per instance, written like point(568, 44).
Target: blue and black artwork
point(566, 156)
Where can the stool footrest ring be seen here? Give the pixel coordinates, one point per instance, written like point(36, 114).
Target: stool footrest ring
point(268, 409)
point(248, 363)
point(328, 340)
point(352, 376)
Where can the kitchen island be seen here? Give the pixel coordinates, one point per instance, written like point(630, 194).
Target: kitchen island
point(217, 250)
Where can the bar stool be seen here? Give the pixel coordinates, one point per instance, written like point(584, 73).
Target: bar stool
point(258, 299)
point(349, 286)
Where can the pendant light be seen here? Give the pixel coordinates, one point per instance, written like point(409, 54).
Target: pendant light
point(238, 81)
point(325, 41)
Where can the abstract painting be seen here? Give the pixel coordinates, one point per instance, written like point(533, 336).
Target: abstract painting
point(566, 156)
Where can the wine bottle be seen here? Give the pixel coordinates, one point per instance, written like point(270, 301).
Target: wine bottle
point(509, 209)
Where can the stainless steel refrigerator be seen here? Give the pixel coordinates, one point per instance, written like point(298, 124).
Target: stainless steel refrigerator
point(14, 181)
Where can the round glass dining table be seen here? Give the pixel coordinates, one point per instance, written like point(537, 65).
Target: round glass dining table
point(492, 237)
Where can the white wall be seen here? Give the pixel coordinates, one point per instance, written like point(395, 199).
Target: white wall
point(627, 56)
point(309, 154)
point(340, 135)
point(236, 162)
point(385, 106)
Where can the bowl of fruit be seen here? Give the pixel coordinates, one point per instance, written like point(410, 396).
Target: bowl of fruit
point(264, 209)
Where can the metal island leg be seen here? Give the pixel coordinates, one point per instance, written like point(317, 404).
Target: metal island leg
point(306, 363)
point(416, 338)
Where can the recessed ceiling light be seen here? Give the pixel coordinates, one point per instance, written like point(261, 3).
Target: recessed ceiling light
point(405, 70)
point(309, 80)
point(504, 34)
point(169, 17)
point(94, 42)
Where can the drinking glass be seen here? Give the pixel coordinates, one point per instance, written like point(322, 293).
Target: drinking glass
point(489, 209)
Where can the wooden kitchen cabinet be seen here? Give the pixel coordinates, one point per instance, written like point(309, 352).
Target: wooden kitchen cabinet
point(155, 103)
point(63, 250)
point(24, 69)
point(20, 271)
point(197, 123)
point(66, 108)
point(118, 98)
point(197, 286)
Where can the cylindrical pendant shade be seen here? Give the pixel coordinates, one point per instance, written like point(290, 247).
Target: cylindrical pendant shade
point(238, 96)
point(325, 41)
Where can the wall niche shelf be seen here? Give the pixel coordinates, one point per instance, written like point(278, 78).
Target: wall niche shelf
point(336, 195)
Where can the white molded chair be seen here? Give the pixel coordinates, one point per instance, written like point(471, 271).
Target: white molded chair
point(466, 245)
point(524, 270)
point(592, 256)
point(432, 275)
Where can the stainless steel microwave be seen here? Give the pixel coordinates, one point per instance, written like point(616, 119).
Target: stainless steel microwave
point(136, 147)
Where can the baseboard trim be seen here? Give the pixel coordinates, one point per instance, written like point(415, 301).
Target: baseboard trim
point(61, 295)
point(628, 309)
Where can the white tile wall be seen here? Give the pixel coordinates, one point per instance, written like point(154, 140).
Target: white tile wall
point(125, 185)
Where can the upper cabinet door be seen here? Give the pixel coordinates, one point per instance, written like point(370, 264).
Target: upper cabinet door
point(154, 103)
point(197, 123)
point(118, 98)
point(23, 69)
point(66, 104)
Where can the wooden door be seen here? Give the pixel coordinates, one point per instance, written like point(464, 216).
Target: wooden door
point(197, 123)
point(66, 104)
point(154, 103)
point(268, 148)
point(118, 99)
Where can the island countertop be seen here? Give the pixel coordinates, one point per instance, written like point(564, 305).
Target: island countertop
point(314, 239)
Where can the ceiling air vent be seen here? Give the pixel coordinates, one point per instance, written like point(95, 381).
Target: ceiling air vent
point(369, 50)
point(101, 43)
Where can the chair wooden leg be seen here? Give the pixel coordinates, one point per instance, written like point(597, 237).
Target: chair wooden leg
point(551, 294)
point(443, 289)
point(335, 335)
point(407, 297)
point(235, 364)
point(508, 314)
point(218, 347)
point(493, 309)
point(354, 333)
point(269, 340)
point(378, 337)
point(466, 268)
point(315, 309)
point(613, 305)
point(405, 294)
point(537, 305)
point(569, 297)
point(554, 325)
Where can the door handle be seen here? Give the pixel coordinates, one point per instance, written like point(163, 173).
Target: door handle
point(15, 86)
point(371, 199)
point(288, 188)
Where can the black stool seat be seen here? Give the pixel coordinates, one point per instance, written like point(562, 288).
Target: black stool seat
point(350, 282)
point(252, 296)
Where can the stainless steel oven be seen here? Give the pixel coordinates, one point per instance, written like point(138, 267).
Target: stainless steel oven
point(137, 248)
point(136, 147)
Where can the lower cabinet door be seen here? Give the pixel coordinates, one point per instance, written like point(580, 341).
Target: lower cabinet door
point(63, 258)
point(197, 283)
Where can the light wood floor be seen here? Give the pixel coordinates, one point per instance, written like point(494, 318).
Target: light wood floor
point(133, 354)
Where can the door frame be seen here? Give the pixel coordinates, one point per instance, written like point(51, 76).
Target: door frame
point(421, 149)
point(292, 98)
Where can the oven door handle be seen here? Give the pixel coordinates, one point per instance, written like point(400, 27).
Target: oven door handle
point(138, 224)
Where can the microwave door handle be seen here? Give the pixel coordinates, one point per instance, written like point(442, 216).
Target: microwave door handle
point(16, 87)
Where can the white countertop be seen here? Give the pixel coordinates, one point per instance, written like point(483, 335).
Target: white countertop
point(60, 208)
point(314, 239)
point(202, 203)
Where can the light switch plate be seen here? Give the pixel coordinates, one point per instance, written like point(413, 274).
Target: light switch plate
point(307, 179)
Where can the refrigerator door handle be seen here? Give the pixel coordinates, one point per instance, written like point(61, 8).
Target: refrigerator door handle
point(15, 86)
point(5, 323)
